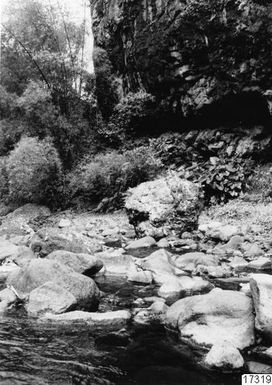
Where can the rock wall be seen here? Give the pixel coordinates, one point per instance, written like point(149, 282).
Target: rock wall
point(189, 53)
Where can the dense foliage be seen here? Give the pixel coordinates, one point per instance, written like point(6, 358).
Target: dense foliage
point(34, 172)
point(111, 174)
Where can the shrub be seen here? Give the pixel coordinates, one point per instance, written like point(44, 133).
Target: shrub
point(132, 117)
point(221, 179)
point(7, 103)
point(111, 174)
point(3, 178)
point(34, 172)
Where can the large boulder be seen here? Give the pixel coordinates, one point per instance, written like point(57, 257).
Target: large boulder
point(221, 315)
point(81, 263)
point(40, 271)
point(163, 206)
point(50, 239)
point(261, 289)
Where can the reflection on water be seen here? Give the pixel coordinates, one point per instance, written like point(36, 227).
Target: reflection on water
point(33, 353)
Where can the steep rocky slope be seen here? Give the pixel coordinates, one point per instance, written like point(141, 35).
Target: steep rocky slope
point(214, 53)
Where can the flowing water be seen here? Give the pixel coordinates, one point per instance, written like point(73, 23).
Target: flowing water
point(34, 353)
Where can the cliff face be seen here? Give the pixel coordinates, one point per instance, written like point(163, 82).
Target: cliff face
point(189, 53)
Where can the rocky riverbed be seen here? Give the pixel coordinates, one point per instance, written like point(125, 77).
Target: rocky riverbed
point(203, 297)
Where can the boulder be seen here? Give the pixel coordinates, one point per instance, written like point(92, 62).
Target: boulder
point(165, 205)
point(112, 320)
point(252, 250)
point(261, 289)
point(145, 242)
point(50, 298)
point(81, 263)
point(224, 356)
point(40, 271)
point(221, 315)
point(50, 239)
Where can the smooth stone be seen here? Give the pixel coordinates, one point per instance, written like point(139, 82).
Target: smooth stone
point(209, 226)
point(145, 242)
point(7, 249)
point(189, 261)
point(224, 356)
point(220, 315)
point(171, 291)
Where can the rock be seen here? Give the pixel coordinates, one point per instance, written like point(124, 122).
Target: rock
point(239, 264)
point(258, 368)
point(262, 263)
point(23, 256)
point(168, 204)
point(81, 263)
point(224, 356)
point(6, 269)
point(163, 243)
point(224, 232)
point(206, 227)
point(245, 288)
point(189, 261)
point(139, 276)
point(112, 320)
point(18, 220)
point(142, 317)
point(221, 315)
point(7, 250)
point(261, 289)
point(50, 239)
point(116, 263)
point(159, 263)
point(171, 291)
point(253, 250)
point(234, 242)
point(181, 287)
point(40, 271)
point(158, 308)
point(145, 242)
point(50, 298)
point(214, 271)
point(7, 295)
point(64, 222)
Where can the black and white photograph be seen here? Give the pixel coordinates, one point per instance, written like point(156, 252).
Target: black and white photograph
point(136, 192)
